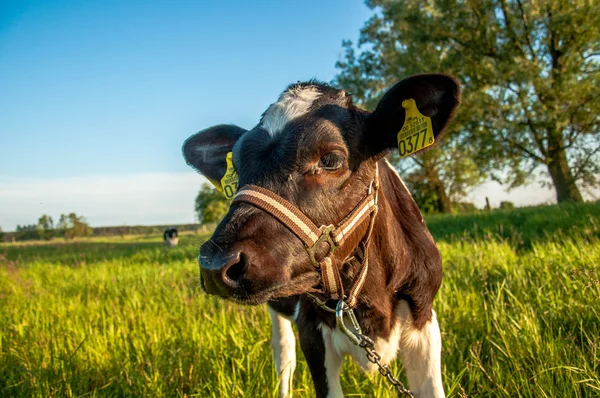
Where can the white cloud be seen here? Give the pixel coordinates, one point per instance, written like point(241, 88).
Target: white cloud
point(146, 198)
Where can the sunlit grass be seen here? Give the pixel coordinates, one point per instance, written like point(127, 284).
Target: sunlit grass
point(126, 317)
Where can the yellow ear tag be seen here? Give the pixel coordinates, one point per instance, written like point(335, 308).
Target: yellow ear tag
point(217, 184)
point(416, 133)
point(230, 180)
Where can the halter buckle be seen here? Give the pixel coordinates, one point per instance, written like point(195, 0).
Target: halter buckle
point(326, 236)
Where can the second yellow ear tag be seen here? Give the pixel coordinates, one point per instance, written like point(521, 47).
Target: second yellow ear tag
point(416, 133)
point(230, 180)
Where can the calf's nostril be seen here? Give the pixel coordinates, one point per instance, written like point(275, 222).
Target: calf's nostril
point(233, 272)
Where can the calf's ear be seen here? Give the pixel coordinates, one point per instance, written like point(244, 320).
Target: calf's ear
point(206, 151)
point(435, 96)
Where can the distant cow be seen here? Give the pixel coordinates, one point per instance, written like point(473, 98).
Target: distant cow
point(171, 237)
point(323, 229)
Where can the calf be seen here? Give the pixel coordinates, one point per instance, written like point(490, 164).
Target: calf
point(171, 238)
point(316, 159)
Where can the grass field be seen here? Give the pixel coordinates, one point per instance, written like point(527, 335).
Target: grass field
point(519, 310)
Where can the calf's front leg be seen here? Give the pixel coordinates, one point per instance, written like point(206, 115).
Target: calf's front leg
point(421, 351)
point(283, 344)
point(323, 361)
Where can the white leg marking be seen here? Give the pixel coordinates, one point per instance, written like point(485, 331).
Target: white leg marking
point(387, 349)
point(333, 362)
point(283, 343)
point(421, 352)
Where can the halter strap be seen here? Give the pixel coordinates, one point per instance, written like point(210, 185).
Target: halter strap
point(312, 236)
point(288, 214)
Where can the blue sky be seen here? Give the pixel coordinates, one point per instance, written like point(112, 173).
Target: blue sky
point(116, 86)
point(96, 98)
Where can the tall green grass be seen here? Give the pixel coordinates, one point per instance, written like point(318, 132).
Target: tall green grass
point(520, 227)
point(126, 318)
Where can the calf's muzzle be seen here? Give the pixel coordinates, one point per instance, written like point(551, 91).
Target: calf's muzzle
point(222, 273)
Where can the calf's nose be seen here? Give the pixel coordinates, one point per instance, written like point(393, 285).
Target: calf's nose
point(232, 272)
point(222, 273)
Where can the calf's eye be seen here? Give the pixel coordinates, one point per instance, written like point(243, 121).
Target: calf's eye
point(331, 161)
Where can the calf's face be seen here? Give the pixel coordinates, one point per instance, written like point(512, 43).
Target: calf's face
point(314, 148)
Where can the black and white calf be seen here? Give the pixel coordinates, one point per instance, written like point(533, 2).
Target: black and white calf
point(171, 238)
point(322, 154)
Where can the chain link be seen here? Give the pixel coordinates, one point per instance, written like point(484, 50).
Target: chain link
point(368, 345)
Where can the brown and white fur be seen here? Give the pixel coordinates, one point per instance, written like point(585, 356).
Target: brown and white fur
point(316, 149)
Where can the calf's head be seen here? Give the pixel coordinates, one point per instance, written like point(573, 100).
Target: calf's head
point(315, 149)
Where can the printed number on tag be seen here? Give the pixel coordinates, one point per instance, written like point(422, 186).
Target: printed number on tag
point(416, 133)
point(230, 180)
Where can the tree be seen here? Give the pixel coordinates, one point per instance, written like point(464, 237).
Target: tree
point(465, 207)
point(73, 226)
point(45, 227)
point(507, 205)
point(26, 232)
point(530, 72)
point(211, 205)
point(1, 234)
point(441, 176)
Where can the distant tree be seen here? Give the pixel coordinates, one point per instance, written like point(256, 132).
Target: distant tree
point(506, 205)
point(440, 177)
point(73, 226)
point(1, 234)
point(45, 227)
point(26, 232)
point(530, 72)
point(211, 205)
point(465, 207)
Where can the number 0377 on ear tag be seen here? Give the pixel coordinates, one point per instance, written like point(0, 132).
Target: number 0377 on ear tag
point(416, 133)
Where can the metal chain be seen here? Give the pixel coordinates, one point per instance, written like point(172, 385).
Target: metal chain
point(367, 344)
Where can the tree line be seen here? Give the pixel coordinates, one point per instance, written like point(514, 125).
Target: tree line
point(148, 230)
point(72, 226)
point(69, 226)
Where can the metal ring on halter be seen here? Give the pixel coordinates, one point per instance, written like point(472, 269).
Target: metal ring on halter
point(340, 309)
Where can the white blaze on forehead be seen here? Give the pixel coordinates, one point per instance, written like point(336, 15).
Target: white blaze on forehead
point(293, 103)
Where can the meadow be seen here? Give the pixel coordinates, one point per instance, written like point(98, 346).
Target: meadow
point(519, 311)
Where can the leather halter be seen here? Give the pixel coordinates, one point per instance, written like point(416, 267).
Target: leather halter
point(312, 236)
